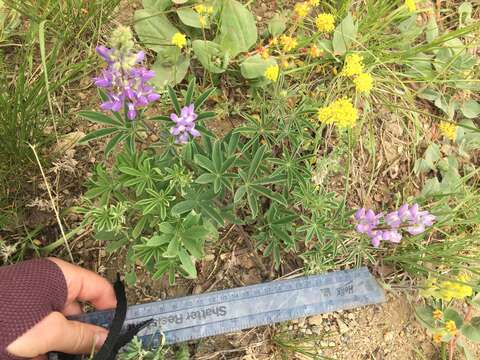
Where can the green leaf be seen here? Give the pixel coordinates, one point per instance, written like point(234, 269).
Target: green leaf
point(270, 194)
point(253, 204)
point(99, 118)
point(206, 115)
point(344, 35)
point(257, 158)
point(166, 228)
point(203, 97)
point(97, 134)
point(424, 315)
point(239, 194)
point(452, 314)
point(173, 98)
point(255, 66)
point(187, 263)
point(169, 69)
point(238, 30)
point(471, 109)
point(204, 162)
point(205, 179)
point(154, 29)
point(114, 142)
point(191, 18)
point(159, 240)
point(431, 31)
point(472, 329)
point(190, 90)
point(157, 5)
point(137, 230)
point(183, 207)
point(210, 55)
point(172, 248)
point(277, 25)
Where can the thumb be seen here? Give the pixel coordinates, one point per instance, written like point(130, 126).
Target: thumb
point(56, 333)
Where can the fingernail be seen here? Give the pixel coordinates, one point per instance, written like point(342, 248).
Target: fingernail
point(100, 339)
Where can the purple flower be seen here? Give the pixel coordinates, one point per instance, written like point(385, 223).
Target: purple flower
point(124, 81)
point(411, 218)
point(184, 125)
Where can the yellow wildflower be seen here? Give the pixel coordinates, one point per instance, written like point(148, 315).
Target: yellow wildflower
point(325, 22)
point(179, 39)
point(202, 20)
point(314, 2)
point(210, 10)
point(341, 112)
point(451, 327)
point(272, 73)
point(437, 314)
point(273, 41)
point(264, 54)
point(200, 8)
point(437, 338)
point(353, 65)
point(410, 4)
point(302, 9)
point(363, 82)
point(289, 43)
point(448, 290)
point(314, 51)
point(448, 130)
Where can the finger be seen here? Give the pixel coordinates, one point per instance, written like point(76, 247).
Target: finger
point(73, 308)
point(85, 285)
point(56, 333)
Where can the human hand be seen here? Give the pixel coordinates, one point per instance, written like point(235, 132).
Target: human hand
point(55, 332)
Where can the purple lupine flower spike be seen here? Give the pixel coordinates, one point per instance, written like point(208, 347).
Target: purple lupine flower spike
point(125, 83)
point(184, 125)
point(411, 218)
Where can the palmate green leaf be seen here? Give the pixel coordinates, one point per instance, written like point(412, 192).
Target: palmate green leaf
point(257, 158)
point(255, 66)
point(270, 194)
point(344, 35)
point(99, 118)
point(114, 142)
point(98, 134)
point(183, 207)
point(174, 99)
point(203, 97)
point(153, 29)
point(204, 162)
point(238, 30)
point(187, 263)
point(205, 179)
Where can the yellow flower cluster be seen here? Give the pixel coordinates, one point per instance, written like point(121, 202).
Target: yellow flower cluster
point(272, 73)
point(451, 327)
point(204, 12)
point(448, 130)
point(363, 82)
point(437, 314)
point(448, 290)
point(288, 43)
point(302, 9)
point(411, 6)
point(179, 40)
point(437, 338)
point(353, 65)
point(314, 2)
point(341, 112)
point(325, 23)
point(353, 68)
